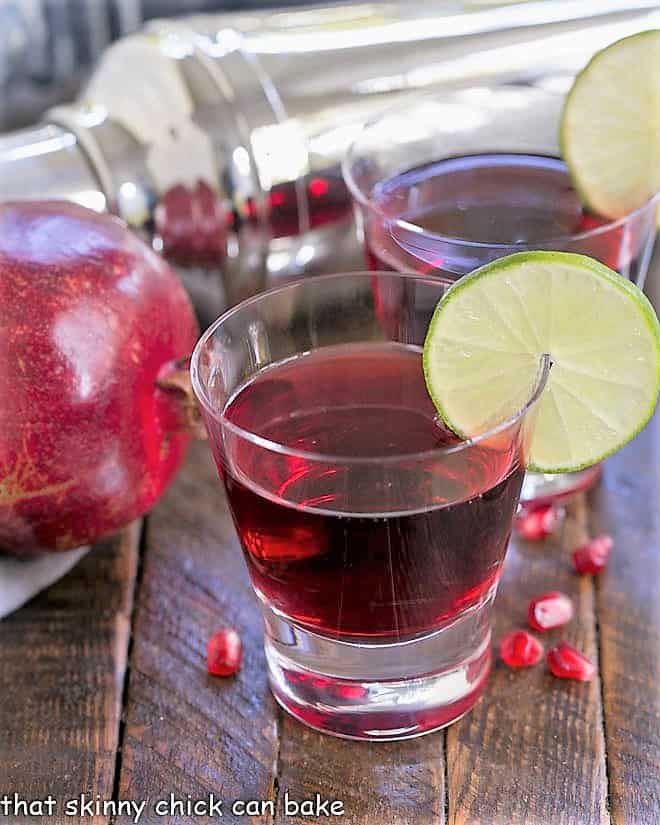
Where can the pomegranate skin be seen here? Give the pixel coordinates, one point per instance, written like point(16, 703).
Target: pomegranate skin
point(89, 315)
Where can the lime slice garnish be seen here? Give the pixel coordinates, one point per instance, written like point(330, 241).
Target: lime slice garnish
point(491, 329)
point(610, 126)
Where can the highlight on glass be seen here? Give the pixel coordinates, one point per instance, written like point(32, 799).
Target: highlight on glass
point(374, 537)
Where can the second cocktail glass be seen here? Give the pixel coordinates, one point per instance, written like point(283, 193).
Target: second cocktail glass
point(447, 183)
point(374, 537)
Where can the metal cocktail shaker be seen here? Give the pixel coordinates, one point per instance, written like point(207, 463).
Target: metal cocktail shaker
point(220, 137)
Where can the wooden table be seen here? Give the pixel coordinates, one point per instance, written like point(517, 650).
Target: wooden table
point(104, 688)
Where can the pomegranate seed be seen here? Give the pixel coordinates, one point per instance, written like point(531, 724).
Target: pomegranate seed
point(351, 691)
point(223, 652)
point(520, 649)
point(591, 558)
point(565, 662)
point(536, 523)
point(549, 610)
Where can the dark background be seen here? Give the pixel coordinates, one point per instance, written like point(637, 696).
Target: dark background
point(48, 46)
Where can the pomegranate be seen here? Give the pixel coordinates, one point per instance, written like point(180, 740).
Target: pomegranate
point(94, 414)
point(535, 523)
point(224, 652)
point(520, 649)
point(549, 610)
point(565, 662)
point(192, 225)
point(591, 558)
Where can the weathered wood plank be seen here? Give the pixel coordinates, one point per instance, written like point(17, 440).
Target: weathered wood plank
point(628, 601)
point(187, 733)
point(398, 783)
point(63, 664)
point(532, 752)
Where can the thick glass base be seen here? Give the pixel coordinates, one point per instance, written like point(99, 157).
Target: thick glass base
point(541, 488)
point(376, 691)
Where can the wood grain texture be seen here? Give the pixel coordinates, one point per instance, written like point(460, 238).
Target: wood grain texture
point(398, 783)
point(186, 732)
point(63, 665)
point(532, 752)
point(628, 603)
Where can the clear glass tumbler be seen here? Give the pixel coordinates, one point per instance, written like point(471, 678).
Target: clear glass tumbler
point(444, 184)
point(374, 537)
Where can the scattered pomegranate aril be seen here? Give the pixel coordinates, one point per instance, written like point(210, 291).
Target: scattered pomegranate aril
point(591, 558)
point(520, 649)
point(549, 610)
point(565, 662)
point(224, 652)
point(537, 523)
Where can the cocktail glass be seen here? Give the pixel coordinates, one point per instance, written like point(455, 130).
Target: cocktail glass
point(374, 537)
point(444, 184)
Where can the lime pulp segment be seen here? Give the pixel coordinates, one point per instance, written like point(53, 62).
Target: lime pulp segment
point(610, 126)
point(490, 330)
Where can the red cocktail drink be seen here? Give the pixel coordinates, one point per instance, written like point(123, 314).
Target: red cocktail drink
point(340, 549)
point(374, 537)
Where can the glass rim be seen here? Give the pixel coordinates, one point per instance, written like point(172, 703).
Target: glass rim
point(361, 197)
point(545, 364)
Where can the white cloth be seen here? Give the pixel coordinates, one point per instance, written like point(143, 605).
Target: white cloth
point(20, 580)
